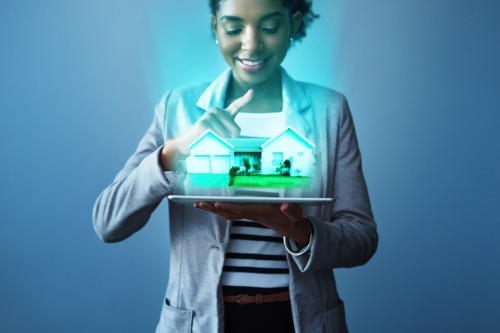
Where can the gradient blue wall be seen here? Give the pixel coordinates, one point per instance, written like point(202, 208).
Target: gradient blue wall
point(78, 83)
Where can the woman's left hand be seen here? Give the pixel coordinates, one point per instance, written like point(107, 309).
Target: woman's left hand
point(286, 219)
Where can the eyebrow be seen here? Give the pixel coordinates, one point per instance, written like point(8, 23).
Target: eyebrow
point(239, 19)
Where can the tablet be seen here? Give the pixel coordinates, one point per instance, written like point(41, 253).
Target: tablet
point(189, 199)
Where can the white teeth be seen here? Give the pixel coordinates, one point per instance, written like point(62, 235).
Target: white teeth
point(252, 62)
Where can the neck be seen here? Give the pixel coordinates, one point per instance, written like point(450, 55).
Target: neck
point(265, 90)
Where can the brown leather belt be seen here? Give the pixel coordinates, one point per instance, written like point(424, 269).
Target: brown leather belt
point(245, 299)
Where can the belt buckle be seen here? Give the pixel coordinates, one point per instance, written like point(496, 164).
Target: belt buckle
point(239, 301)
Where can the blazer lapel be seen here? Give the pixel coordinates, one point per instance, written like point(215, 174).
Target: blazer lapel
point(215, 94)
point(295, 103)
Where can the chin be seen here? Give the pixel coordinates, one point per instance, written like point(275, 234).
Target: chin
point(254, 78)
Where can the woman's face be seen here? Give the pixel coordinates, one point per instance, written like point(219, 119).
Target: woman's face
point(254, 37)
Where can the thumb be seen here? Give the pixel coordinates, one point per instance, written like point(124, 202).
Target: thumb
point(293, 212)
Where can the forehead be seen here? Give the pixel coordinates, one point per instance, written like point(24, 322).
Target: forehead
point(250, 9)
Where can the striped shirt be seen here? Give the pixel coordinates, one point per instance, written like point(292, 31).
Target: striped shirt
point(255, 257)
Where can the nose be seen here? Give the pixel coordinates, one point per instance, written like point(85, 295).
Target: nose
point(252, 41)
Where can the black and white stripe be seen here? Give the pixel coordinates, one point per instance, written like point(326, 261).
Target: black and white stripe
point(255, 257)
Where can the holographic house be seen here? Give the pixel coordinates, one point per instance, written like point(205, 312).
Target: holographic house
point(211, 154)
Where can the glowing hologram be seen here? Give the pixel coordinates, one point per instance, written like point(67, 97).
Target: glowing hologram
point(263, 161)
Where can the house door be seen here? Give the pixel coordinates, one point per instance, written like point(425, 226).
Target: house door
point(202, 164)
point(221, 164)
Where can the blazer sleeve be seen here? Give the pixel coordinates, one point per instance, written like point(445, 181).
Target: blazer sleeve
point(126, 205)
point(350, 238)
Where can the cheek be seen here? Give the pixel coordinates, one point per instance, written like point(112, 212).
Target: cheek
point(279, 46)
point(228, 48)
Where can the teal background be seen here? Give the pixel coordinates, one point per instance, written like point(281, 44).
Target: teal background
point(78, 83)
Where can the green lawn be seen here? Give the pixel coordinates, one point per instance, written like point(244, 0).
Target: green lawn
point(256, 181)
point(269, 181)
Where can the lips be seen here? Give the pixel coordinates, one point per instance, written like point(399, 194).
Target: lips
point(252, 65)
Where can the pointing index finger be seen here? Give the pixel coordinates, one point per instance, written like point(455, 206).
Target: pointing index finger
point(240, 102)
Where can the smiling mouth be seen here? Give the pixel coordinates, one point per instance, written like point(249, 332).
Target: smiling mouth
point(252, 65)
point(247, 62)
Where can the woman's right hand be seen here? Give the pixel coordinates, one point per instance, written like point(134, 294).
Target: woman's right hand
point(219, 121)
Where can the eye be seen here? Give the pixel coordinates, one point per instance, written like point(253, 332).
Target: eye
point(232, 28)
point(233, 32)
point(270, 30)
point(271, 26)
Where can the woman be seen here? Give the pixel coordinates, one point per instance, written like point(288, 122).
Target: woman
point(227, 272)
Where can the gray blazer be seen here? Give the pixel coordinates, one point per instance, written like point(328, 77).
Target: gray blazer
point(345, 233)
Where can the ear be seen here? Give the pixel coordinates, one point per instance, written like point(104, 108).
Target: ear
point(295, 22)
point(214, 24)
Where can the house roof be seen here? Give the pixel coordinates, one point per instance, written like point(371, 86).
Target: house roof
point(247, 145)
point(291, 130)
point(210, 133)
point(250, 145)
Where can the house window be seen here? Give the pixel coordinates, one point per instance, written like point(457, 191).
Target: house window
point(277, 159)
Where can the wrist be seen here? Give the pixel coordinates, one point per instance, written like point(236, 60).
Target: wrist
point(302, 233)
point(170, 155)
point(295, 248)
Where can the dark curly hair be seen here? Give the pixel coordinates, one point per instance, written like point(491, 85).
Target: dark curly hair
point(303, 6)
